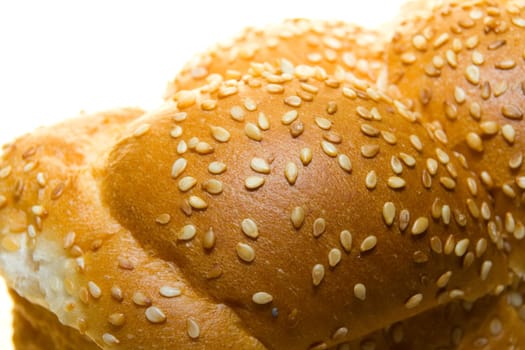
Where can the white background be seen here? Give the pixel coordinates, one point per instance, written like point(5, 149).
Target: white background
point(60, 57)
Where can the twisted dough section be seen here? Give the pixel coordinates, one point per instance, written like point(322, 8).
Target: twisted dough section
point(79, 262)
point(337, 47)
point(223, 186)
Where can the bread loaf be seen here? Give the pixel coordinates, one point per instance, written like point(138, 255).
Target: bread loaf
point(275, 202)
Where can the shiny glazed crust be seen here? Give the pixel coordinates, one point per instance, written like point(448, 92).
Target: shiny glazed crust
point(289, 206)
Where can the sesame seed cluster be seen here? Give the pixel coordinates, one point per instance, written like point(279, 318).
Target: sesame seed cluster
point(311, 185)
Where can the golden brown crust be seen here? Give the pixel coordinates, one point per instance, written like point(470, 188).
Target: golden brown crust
point(332, 45)
point(462, 66)
point(279, 205)
point(146, 188)
point(75, 259)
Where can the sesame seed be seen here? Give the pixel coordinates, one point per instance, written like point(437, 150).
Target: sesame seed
point(408, 58)
point(193, 328)
point(319, 227)
point(509, 133)
point(249, 228)
point(475, 110)
point(473, 74)
point(441, 40)
point(254, 182)
point(323, 123)
point(38, 210)
point(208, 240)
point(289, 117)
point(116, 293)
point(478, 59)
point(212, 186)
point(220, 134)
point(407, 159)
point(447, 182)
point(442, 156)
point(396, 165)
point(306, 156)
point(414, 301)
point(69, 240)
point(176, 131)
point(360, 291)
point(371, 180)
point(443, 280)
point(419, 42)
point(117, 319)
point(245, 252)
point(459, 95)
point(389, 137)
point(187, 232)
point(250, 105)
point(369, 151)
point(110, 339)
point(436, 245)
point(262, 298)
point(94, 290)
point(186, 183)
point(340, 333)
point(508, 191)
point(474, 142)
point(485, 211)
point(297, 217)
point(420, 225)
point(317, 274)
point(237, 113)
point(141, 130)
point(473, 208)
point(293, 101)
point(520, 181)
point(260, 165)
point(185, 99)
point(456, 294)
point(368, 243)
point(396, 182)
point(182, 147)
point(505, 64)
point(450, 245)
point(291, 172)
point(519, 232)
point(334, 257)
point(345, 238)
point(274, 88)
point(178, 167)
point(389, 212)
point(485, 269)
point(416, 142)
point(512, 112)
point(500, 88)
point(329, 148)
point(155, 315)
point(451, 58)
point(197, 202)
point(263, 122)
point(451, 110)
point(10, 243)
point(141, 299)
point(253, 132)
point(226, 91)
point(510, 223)
point(216, 167)
point(369, 130)
point(461, 247)
point(169, 292)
